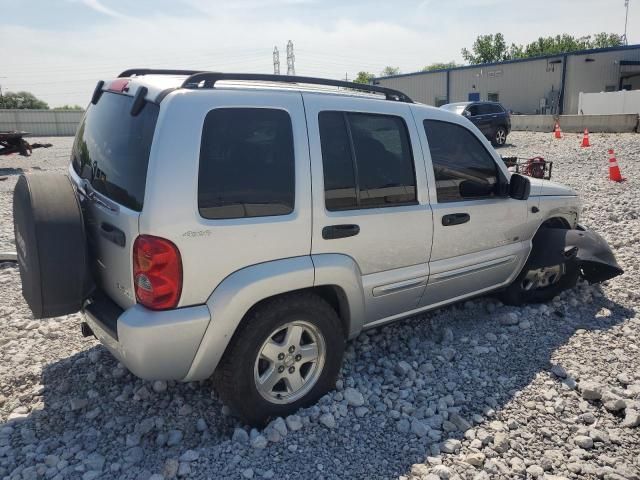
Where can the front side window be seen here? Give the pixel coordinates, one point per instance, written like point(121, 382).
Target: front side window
point(367, 161)
point(246, 164)
point(463, 168)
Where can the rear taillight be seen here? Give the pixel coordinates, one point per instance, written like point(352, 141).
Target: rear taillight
point(157, 272)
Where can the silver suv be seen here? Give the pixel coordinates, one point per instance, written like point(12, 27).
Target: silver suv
point(246, 226)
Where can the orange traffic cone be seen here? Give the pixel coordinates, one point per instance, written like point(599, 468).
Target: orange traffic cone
point(614, 169)
point(557, 131)
point(585, 139)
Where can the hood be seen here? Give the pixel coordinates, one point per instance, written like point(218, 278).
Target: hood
point(542, 188)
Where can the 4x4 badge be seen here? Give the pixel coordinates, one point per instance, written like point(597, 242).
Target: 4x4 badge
point(197, 233)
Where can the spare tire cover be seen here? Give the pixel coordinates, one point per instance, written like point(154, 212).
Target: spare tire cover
point(51, 244)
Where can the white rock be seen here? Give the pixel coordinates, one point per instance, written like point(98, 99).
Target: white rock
point(353, 397)
point(240, 436)
point(294, 422)
point(328, 420)
point(450, 446)
point(189, 456)
point(259, 442)
point(159, 386)
point(419, 428)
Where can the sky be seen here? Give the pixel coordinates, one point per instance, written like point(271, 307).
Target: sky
point(59, 49)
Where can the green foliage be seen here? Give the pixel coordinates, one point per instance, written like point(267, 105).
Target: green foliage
point(22, 100)
point(390, 71)
point(493, 48)
point(487, 49)
point(439, 66)
point(604, 40)
point(364, 77)
point(69, 107)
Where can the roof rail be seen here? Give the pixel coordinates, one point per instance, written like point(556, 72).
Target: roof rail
point(209, 80)
point(154, 71)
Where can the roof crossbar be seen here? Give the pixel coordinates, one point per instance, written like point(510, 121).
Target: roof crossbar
point(209, 79)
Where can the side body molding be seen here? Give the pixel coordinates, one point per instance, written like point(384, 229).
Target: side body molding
point(233, 298)
point(342, 271)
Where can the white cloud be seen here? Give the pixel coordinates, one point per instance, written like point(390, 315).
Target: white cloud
point(101, 8)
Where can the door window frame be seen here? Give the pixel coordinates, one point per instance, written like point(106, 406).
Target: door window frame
point(250, 218)
point(345, 115)
point(502, 177)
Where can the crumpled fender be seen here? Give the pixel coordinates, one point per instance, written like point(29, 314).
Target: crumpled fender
point(552, 246)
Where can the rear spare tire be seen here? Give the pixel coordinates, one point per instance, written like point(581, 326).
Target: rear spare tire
point(51, 244)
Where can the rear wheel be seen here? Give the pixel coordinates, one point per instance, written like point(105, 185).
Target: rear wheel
point(539, 285)
point(286, 354)
point(499, 137)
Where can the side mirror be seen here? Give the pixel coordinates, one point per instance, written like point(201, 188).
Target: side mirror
point(471, 189)
point(466, 113)
point(519, 187)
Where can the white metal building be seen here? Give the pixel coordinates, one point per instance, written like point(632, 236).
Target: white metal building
point(549, 84)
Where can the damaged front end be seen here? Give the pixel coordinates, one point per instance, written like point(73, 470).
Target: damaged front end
point(554, 246)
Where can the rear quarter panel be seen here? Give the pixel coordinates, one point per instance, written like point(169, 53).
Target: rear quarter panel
point(213, 249)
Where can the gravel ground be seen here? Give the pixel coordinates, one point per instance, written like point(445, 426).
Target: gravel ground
point(474, 391)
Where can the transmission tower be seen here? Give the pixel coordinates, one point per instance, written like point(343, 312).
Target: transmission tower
point(291, 59)
point(626, 18)
point(276, 61)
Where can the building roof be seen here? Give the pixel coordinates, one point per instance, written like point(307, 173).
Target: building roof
point(519, 60)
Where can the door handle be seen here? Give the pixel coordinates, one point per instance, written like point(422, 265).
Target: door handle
point(113, 234)
point(340, 231)
point(455, 219)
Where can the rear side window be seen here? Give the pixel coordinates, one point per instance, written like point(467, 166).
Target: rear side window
point(111, 148)
point(246, 164)
point(485, 109)
point(463, 168)
point(367, 161)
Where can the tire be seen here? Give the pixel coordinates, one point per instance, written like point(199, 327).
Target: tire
point(518, 294)
point(237, 376)
point(499, 138)
point(51, 245)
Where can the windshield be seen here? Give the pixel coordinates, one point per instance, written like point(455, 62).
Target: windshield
point(111, 149)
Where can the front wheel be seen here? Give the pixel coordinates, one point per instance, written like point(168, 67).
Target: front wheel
point(540, 285)
point(500, 137)
point(286, 354)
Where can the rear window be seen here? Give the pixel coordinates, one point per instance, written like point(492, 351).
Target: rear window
point(246, 164)
point(111, 149)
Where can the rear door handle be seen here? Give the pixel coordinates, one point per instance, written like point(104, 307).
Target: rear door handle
point(455, 219)
point(340, 231)
point(113, 234)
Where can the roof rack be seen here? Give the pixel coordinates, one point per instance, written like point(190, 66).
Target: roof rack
point(153, 71)
point(209, 79)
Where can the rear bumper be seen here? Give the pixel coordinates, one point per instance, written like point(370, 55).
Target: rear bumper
point(152, 345)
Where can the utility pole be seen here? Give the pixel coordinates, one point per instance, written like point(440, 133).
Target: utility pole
point(626, 18)
point(291, 59)
point(276, 61)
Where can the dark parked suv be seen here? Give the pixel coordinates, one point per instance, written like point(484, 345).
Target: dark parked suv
point(490, 117)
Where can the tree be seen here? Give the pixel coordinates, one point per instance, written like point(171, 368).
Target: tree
point(439, 66)
point(22, 100)
point(69, 107)
point(487, 49)
point(493, 48)
point(364, 77)
point(390, 71)
point(604, 40)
